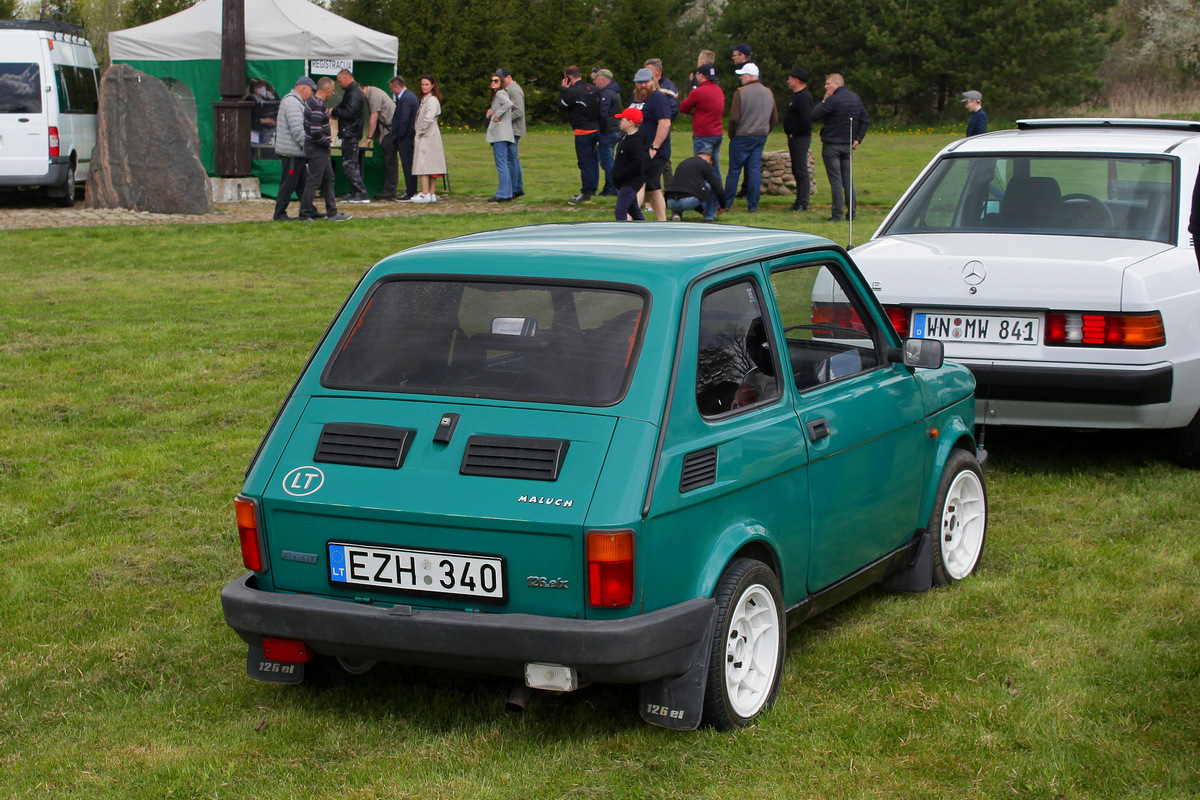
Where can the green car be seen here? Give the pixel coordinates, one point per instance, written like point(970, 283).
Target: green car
point(603, 453)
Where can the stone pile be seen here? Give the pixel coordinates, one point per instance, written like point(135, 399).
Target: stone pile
point(777, 174)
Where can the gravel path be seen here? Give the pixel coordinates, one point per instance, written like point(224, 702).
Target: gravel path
point(18, 211)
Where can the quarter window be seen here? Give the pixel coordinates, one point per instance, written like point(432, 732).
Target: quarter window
point(735, 366)
point(20, 88)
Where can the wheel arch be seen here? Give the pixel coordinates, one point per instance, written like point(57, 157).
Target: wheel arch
point(954, 434)
point(740, 541)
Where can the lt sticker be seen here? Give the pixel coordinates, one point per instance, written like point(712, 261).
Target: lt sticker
point(303, 481)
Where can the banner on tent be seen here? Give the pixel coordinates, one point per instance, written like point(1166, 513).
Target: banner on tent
point(329, 66)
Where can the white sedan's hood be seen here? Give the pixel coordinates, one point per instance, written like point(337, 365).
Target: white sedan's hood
point(1005, 271)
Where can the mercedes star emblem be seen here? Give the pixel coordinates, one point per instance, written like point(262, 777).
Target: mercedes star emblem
point(974, 272)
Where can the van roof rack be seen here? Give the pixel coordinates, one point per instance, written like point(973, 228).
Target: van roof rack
point(55, 25)
point(1110, 122)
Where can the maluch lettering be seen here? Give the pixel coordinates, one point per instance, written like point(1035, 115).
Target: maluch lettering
point(545, 501)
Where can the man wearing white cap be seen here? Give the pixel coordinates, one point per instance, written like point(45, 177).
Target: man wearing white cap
point(752, 115)
point(978, 122)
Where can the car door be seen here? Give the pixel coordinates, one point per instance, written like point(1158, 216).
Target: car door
point(862, 417)
point(733, 459)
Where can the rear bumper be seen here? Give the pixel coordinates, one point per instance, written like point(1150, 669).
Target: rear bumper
point(661, 644)
point(1136, 386)
point(56, 173)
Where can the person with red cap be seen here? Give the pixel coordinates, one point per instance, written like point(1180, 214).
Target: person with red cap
point(629, 165)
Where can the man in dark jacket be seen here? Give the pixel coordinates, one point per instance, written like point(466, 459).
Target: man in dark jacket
point(581, 101)
point(404, 132)
point(846, 124)
point(317, 141)
point(797, 124)
point(629, 165)
point(610, 128)
point(696, 184)
point(349, 114)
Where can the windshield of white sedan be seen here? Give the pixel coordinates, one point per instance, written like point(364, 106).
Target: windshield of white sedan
point(1105, 196)
point(546, 343)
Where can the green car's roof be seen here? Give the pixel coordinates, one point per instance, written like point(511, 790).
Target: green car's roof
point(642, 254)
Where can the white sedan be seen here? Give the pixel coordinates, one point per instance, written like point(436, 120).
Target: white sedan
point(1054, 261)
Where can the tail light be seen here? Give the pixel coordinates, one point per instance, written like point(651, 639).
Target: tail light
point(54, 142)
point(899, 317)
point(1081, 329)
point(247, 524)
point(289, 651)
point(610, 568)
point(842, 315)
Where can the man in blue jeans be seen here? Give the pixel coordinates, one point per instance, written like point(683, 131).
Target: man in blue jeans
point(752, 115)
point(845, 124)
point(696, 185)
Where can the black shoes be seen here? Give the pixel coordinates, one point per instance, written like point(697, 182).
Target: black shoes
point(499, 200)
point(579, 198)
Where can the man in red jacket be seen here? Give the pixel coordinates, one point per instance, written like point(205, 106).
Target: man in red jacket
point(706, 104)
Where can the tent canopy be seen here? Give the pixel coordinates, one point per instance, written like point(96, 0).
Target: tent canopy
point(275, 30)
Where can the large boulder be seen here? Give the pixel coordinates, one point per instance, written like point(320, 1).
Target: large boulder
point(147, 155)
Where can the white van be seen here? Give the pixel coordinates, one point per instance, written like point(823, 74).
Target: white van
point(48, 100)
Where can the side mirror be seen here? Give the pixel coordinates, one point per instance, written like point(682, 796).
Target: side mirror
point(514, 326)
point(923, 353)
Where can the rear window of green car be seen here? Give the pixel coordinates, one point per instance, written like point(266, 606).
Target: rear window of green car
point(554, 343)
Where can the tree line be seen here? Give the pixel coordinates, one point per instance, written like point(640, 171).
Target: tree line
point(910, 60)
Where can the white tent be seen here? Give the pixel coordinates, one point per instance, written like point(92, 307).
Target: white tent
point(275, 30)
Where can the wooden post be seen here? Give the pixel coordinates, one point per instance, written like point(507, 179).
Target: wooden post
point(231, 114)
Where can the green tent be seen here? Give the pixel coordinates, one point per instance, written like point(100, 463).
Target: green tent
point(284, 40)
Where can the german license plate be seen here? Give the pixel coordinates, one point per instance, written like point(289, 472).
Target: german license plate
point(991, 328)
point(432, 572)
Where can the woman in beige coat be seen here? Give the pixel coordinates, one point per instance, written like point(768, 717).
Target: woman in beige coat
point(429, 158)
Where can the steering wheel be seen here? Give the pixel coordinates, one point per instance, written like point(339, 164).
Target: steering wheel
point(1095, 203)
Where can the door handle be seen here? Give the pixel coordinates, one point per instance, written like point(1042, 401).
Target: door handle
point(818, 429)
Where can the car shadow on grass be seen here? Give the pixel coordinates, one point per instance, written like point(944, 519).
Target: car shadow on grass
point(1067, 451)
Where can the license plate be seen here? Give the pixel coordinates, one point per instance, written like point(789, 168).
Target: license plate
point(431, 572)
point(991, 328)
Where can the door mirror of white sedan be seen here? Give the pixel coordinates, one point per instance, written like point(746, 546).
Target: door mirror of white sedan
point(924, 353)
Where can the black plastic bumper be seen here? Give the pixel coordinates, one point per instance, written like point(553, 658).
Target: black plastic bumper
point(661, 644)
point(1087, 385)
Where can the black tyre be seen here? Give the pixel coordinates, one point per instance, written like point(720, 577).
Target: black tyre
point(748, 645)
point(959, 519)
point(1187, 445)
point(68, 186)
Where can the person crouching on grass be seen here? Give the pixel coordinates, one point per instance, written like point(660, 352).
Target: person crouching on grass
point(629, 166)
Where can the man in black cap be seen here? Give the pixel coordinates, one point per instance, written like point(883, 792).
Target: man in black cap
point(797, 124)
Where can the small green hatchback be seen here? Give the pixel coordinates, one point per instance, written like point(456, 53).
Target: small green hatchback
point(603, 453)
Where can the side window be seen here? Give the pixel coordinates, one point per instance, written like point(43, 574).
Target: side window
point(735, 365)
point(828, 334)
point(63, 79)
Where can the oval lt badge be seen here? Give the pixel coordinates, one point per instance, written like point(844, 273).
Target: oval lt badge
point(303, 481)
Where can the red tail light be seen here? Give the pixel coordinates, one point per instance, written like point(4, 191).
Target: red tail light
point(247, 524)
point(1082, 329)
point(841, 314)
point(610, 568)
point(289, 651)
point(899, 317)
point(54, 143)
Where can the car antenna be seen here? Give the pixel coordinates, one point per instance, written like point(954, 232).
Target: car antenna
point(850, 203)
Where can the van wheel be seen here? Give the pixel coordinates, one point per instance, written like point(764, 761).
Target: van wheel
point(959, 519)
point(748, 645)
point(68, 186)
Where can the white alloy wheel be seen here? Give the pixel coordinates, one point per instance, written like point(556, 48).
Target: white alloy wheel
point(960, 519)
point(748, 645)
point(752, 651)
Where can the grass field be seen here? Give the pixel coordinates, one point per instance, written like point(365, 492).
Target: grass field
point(140, 366)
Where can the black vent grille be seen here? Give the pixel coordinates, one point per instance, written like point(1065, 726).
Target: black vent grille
point(364, 445)
point(514, 457)
point(699, 469)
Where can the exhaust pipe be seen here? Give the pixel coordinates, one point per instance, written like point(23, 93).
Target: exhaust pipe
point(518, 698)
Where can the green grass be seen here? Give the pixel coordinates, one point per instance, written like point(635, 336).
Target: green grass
point(139, 368)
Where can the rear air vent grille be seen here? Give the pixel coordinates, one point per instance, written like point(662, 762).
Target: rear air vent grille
point(364, 445)
point(699, 469)
point(514, 457)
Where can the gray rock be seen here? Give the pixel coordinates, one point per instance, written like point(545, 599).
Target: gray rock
point(147, 155)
